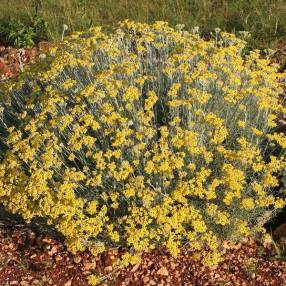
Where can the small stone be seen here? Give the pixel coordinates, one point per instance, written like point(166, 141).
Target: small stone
point(59, 258)
point(150, 263)
point(135, 267)
point(108, 269)
point(68, 283)
point(237, 246)
point(163, 271)
point(89, 265)
point(280, 231)
point(47, 240)
point(46, 247)
point(77, 259)
point(53, 251)
point(146, 279)
point(224, 266)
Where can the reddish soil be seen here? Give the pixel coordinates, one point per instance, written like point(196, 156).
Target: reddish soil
point(39, 260)
point(13, 60)
point(243, 265)
point(27, 259)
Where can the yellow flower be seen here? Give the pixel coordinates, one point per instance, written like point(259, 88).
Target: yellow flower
point(68, 84)
point(91, 207)
point(256, 131)
point(241, 123)
point(92, 280)
point(199, 226)
point(147, 136)
point(150, 167)
point(270, 180)
point(131, 94)
point(248, 203)
point(132, 259)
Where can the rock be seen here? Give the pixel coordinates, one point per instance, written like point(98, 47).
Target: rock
point(2, 65)
point(77, 259)
point(163, 271)
point(146, 279)
point(53, 251)
point(68, 283)
point(58, 258)
point(89, 265)
point(135, 267)
point(280, 232)
point(108, 269)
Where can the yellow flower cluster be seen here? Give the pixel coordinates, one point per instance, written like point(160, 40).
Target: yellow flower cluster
point(145, 137)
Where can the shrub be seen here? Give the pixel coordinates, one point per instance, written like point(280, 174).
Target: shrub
point(22, 34)
point(144, 137)
point(17, 34)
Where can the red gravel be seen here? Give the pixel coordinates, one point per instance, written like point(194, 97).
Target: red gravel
point(27, 259)
point(242, 266)
point(13, 60)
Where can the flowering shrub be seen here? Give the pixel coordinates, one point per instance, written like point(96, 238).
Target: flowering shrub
point(147, 136)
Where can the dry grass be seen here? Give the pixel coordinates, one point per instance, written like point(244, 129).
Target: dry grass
point(264, 19)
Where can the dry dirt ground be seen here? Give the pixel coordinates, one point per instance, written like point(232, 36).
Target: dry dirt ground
point(39, 260)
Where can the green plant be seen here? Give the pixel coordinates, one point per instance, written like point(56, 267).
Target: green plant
point(251, 267)
point(40, 28)
point(280, 250)
point(25, 31)
point(16, 33)
point(145, 137)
